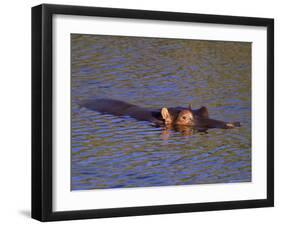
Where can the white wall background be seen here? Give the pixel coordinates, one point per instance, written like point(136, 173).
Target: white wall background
point(15, 119)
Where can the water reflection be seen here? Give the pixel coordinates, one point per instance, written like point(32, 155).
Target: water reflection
point(183, 130)
point(118, 152)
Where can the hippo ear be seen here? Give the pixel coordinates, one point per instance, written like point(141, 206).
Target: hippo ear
point(203, 112)
point(166, 115)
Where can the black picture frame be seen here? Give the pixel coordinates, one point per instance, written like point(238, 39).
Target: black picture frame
point(42, 107)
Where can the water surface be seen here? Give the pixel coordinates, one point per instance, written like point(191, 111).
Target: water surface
point(118, 152)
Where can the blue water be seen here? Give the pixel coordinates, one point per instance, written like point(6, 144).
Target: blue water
point(119, 152)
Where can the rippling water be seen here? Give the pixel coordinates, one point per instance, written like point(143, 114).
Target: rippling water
point(117, 152)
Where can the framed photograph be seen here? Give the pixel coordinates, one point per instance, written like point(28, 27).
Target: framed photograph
point(145, 112)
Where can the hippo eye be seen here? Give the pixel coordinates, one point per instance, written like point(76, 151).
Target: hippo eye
point(184, 117)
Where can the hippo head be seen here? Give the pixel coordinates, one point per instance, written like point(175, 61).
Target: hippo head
point(183, 117)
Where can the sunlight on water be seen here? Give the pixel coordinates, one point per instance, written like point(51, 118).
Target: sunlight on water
point(115, 152)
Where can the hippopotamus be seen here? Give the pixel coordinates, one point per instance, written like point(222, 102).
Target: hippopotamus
point(172, 116)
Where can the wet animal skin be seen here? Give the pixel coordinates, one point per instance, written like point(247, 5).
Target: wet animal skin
point(178, 116)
